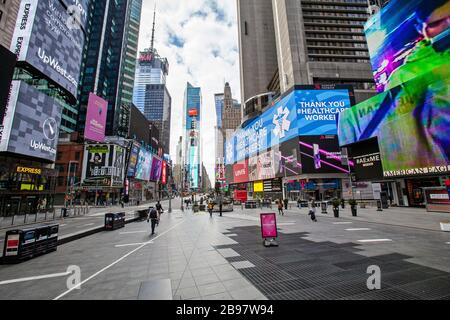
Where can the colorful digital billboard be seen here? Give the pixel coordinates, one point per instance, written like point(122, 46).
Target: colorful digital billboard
point(411, 121)
point(49, 37)
point(288, 156)
point(134, 154)
point(31, 123)
point(321, 154)
point(298, 113)
point(240, 172)
point(96, 119)
point(144, 165)
point(407, 39)
point(156, 170)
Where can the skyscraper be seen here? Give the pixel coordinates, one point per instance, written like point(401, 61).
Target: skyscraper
point(321, 43)
point(313, 42)
point(257, 48)
point(110, 60)
point(192, 131)
point(150, 92)
point(8, 15)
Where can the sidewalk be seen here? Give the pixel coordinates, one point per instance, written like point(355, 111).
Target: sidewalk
point(395, 216)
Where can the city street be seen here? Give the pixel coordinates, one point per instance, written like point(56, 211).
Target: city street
point(223, 258)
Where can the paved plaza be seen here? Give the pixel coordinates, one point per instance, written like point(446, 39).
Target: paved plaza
point(195, 257)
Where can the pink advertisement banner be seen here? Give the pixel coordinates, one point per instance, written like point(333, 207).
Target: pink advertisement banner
point(96, 119)
point(269, 225)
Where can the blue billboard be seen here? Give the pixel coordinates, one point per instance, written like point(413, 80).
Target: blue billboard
point(299, 113)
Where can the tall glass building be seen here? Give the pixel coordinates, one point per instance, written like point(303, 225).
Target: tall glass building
point(110, 61)
point(192, 130)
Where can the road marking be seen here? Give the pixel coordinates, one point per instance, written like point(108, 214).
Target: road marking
point(117, 261)
point(447, 242)
point(375, 240)
point(358, 229)
point(63, 225)
point(286, 224)
point(131, 244)
point(87, 225)
point(54, 275)
point(131, 232)
point(342, 222)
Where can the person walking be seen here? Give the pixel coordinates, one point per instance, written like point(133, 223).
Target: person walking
point(312, 210)
point(154, 218)
point(220, 207)
point(210, 208)
point(280, 207)
point(159, 208)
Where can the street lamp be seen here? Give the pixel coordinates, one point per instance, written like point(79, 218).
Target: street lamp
point(67, 184)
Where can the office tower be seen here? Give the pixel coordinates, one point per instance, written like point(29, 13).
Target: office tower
point(158, 108)
point(228, 112)
point(323, 43)
point(192, 131)
point(110, 60)
point(257, 48)
point(8, 15)
point(150, 92)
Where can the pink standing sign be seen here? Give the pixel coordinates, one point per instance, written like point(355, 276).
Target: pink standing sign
point(269, 225)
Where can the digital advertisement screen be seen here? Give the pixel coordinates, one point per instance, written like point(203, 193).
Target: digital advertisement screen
point(299, 113)
point(240, 171)
point(155, 174)
point(8, 60)
point(367, 160)
point(194, 166)
point(134, 154)
point(96, 118)
point(31, 123)
point(267, 166)
point(288, 156)
point(164, 173)
point(411, 119)
point(144, 165)
point(97, 165)
point(321, 154)
point(50, 40)
point(406, 39)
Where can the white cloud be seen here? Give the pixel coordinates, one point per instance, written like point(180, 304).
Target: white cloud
point(208, 58)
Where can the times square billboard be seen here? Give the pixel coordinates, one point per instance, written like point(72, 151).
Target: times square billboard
point(49, 35)
point(411, 116)
point(277, 143)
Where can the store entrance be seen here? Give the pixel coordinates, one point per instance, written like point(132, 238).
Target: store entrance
point(415, 193)
point(11, 206)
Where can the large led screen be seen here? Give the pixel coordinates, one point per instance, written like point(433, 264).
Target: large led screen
point(408, 38)
point(8, 62)
point(96, 118)
point(321, 154)
point(299, 113)
point(103, 165)
point(144, 165)
point(288, 157)
point(50, 40)
point(134, 154)
point(31, 123)
point(411, 121)
point(155, 174)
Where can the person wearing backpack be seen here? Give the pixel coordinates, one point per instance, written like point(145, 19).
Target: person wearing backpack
point(154, 217)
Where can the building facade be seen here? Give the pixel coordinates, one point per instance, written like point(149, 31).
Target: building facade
point(257, 46)
point(8, 15)
point(158, 109)
point(192, 138)
point(108, 68)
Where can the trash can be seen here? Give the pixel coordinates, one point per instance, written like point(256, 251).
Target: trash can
point(324, 207)
point(143, 214)
point(114, 221)
point(23, 244)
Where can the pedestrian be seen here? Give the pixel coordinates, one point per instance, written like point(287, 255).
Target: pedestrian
point(312, 210)
point(210, 208)
point(159, 208)
point(280, 207)
point(154, 218)
point(220, 208)
point(286, 203)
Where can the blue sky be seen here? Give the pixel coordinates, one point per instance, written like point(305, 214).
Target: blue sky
point(200, 40)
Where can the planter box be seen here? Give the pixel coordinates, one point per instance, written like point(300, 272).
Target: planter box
point(445, 226)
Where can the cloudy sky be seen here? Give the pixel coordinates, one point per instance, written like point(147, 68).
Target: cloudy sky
point(200, 40)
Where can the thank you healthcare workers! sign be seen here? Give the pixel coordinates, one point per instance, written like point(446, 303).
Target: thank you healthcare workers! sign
point(299, 113)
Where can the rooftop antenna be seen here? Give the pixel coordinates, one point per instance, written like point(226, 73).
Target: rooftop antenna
point(153, 30)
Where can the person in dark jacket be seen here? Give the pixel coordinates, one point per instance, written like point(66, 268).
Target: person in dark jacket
point(154, 218)
point(312, 210)
point(159, 208)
